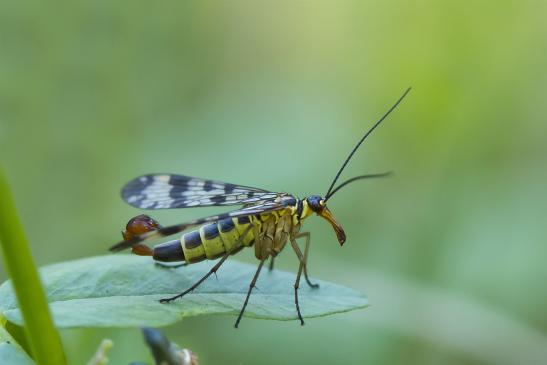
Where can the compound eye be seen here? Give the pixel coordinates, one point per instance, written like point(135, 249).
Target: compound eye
point(315, 203)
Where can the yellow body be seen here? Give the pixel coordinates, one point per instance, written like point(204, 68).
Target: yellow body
point(268, 232)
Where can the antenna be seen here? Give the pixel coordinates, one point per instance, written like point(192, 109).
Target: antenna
point(383, 174)
point(361, 141)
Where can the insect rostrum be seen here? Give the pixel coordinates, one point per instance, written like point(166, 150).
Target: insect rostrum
point(267, 221)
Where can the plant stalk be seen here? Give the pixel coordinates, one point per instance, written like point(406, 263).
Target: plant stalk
point(43, 337)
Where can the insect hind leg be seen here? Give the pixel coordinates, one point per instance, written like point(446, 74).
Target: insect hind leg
point(251, 286)
point(212, 271)
point(198, 283)
point(161, 265)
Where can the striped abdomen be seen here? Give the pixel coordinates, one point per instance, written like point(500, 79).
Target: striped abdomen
point(210, 241)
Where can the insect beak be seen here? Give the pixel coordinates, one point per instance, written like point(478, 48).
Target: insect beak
point(340, 234)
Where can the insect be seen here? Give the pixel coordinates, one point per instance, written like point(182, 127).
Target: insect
point(266, 221)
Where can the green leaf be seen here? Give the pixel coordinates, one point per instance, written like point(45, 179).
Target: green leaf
point(10, 352)
point(123, 291)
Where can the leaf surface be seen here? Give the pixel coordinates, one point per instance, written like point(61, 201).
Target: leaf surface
point(10, 352)
point(123, 291)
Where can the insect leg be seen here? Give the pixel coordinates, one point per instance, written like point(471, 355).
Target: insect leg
point(296, 285)
point(167, 266)
point(213, 270)
point(302, 258)
point(306, 251)
point(271, 267)
point(251, 286)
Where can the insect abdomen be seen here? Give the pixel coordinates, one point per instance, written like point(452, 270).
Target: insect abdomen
point(169, 252)
point(210, 241)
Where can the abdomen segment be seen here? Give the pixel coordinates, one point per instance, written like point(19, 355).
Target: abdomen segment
point(210, 241)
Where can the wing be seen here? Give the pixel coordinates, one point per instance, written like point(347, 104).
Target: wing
point(163, 191)
point(170, 230)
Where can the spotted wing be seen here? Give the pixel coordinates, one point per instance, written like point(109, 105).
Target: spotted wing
point(164, 191)
point(170, 230)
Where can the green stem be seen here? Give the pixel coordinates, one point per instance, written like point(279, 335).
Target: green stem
point(43, 337)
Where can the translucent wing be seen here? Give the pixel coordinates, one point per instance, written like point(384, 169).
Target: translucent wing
point(170, 230)
point(164, 191)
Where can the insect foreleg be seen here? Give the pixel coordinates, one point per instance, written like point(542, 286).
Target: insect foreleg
point(251, 286)
point(303, 258)
point(301, 267)
point(306, 251)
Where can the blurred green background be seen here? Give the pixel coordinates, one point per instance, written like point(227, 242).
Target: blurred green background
point(451, 250)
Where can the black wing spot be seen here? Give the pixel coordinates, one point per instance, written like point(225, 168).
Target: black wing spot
point(243, 220)
point(229, 188)
point(135, 187)
point(178, 180)
point(218, 199)
point(208, 185)
point(142, 181)
point(176, 191)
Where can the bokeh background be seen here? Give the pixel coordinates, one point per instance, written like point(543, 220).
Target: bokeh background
point(451, 250)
